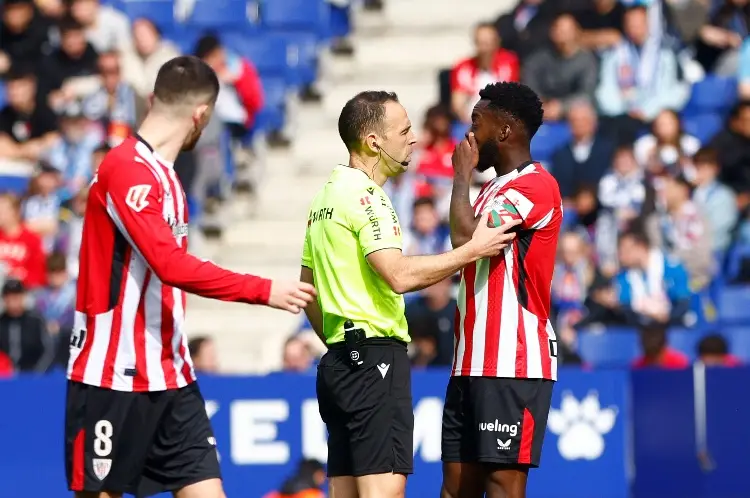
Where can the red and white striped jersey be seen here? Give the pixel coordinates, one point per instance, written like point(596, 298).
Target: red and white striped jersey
point(129, 332)
point(502, 324)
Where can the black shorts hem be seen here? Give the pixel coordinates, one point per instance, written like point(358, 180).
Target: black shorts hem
point(374, 471)
point(491, 461)
point(175, 486)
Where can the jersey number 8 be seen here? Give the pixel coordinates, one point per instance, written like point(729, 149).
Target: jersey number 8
point(103, 442)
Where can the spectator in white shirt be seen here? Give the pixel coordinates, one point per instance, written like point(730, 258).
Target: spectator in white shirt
point(140, 66)
point(716, 201)
point(107, 28)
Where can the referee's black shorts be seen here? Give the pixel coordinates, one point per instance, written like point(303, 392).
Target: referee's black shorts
point(367, 409)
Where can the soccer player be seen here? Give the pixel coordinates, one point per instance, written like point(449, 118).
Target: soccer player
point(135, 419)
point(505, 361)
point(352, 252)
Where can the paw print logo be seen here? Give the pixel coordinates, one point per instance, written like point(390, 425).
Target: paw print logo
point(580, 426)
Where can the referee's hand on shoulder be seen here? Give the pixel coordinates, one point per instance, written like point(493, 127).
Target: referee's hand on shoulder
point(291, 296)
point(490, 240)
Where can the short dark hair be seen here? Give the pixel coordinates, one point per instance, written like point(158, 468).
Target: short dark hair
point(424, 201)
point(206, 45)
point(624, 148)
point(636, 236)
point(713, 344)
point(20, 71)
point(68, 24)
point(56, 262)
point(517, 101)
point(185, 76)
point(195, 344)
point(361, 115)
point(706, 155)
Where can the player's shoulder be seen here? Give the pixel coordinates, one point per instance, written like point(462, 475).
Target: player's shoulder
point(125, 165)
point(536, 179)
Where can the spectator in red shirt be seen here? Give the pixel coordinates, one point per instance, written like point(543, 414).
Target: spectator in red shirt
point(21, 251)
point(656, 352)
point(435, 158)
point(6, 366)
point(239, 79)
point(490, 64)
point(713, 351)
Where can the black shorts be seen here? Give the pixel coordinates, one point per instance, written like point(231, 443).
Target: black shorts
point(495, 420)
point(137, 443)
point(367, 409)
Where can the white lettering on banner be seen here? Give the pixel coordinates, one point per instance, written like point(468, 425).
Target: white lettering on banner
point(314, 436)
point(428, 423)
point(253, 431)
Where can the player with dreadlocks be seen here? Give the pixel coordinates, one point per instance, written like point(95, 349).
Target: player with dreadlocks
point(505, 362)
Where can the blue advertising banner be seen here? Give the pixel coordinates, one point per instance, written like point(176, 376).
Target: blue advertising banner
point(264, 425)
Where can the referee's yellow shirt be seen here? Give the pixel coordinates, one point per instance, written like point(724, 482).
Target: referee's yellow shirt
point(350, 218)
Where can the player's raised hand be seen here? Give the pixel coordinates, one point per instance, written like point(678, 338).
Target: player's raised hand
point(291, 296)
point(489, 240)
point(466, 156)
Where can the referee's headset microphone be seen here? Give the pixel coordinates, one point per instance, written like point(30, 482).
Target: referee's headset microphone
point(402, 163)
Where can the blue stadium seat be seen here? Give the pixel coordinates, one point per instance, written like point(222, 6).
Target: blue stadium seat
point(2, 95)
point(299, 15)
point(271, 117)
point(550, 137)
point(160, 12)
point(739, 341)
point(13, 183)
point(614, 347)
point(303, 49)
point(734, 304)
point(703, 126)
point(216, 14)
point(685, 340)
point(269, 53)
point(734, 260)
point(713, 94)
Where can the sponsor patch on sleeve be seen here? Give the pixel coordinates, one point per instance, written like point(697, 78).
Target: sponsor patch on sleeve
point(520, 202)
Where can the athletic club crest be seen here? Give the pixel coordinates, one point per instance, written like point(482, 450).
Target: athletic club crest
point(102, 466)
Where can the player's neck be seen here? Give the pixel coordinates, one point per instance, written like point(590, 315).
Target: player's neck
point(371, 171)
point(166, 136)
point(511, 160)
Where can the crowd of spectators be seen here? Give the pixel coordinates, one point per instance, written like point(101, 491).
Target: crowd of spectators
point(652, 209)
point(75, 78)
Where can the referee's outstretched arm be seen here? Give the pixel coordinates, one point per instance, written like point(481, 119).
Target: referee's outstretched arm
point(410, 273)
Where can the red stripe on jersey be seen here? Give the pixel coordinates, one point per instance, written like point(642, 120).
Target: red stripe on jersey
point(186, 372)
point(521, 355)
point(470, 275)
point(527, 438)
point(541, 330)
point(494, 311)
point(114, 342)
point(140, 382)
point(78, 467)
point(167, 332)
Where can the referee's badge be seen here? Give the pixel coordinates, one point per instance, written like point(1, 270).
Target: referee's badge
point(102, 466)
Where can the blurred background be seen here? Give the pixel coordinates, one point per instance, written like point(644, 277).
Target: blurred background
point(647, 130)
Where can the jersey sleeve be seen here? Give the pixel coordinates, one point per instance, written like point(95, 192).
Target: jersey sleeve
point(134, 204)
point(527, 200)
point(306, 252)
point(374, 221)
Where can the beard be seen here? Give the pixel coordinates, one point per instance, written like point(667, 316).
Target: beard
point(191, 140)
point(489, 156)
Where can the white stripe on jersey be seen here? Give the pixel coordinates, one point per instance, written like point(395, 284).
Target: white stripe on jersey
point(480, 305)
point(154, 369)
point(506, 351)
point(98, 354)
point(533, 352)
point(125, 355)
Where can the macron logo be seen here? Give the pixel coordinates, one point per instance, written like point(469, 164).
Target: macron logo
point(383, 369)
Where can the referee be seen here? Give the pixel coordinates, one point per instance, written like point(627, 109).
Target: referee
point(352, 254)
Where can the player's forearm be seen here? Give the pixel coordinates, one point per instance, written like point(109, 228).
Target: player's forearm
point(462, 219)
point(417, 272)
point(205, 279)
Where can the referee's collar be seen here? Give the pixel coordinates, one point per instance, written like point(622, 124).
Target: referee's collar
point(348, 170)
